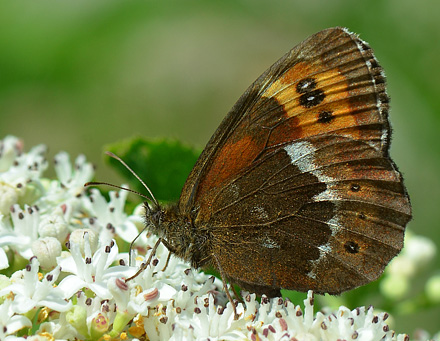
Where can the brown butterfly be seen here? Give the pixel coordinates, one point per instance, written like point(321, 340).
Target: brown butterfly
point(296, 188)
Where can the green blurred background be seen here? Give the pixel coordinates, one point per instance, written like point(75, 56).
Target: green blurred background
point(77, 75)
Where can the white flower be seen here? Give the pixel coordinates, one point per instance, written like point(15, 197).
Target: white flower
point(111, 215)
point(23, 232)
point(10, 148)
point(68, 190)
point(58, 330)
point(73, 178)
point(32, 293)
point(17, 167)
point(90, 271)
point(4, 262)
point(8, 197)
point(10, 323)
point(19, 173)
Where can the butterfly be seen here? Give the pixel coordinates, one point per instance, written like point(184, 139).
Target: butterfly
point(296, 188)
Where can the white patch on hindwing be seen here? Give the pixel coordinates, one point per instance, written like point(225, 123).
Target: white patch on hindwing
point(302, 155)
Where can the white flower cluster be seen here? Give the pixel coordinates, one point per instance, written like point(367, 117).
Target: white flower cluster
point(66, 275)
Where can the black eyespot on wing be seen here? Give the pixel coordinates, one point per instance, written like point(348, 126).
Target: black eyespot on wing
point(325, 116)
point(305, 85)
point(311, 98)
point(351, 247)
point(355, 188)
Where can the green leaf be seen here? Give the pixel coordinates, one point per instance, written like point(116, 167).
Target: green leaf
point(162, 164)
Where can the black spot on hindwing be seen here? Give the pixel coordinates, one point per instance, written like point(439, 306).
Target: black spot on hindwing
point(355, 188)
point(351, 247)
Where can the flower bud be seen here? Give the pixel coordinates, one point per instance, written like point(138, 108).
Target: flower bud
point(47, 250)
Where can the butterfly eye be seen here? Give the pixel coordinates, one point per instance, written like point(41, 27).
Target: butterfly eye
point(147, 208)
point(156, 217)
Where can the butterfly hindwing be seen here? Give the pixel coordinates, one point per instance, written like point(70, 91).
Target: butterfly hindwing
point(326, 233)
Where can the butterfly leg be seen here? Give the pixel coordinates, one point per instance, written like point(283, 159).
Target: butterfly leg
point(225, 287)
point(236, 294)
point(168, 260)
point(132, 243)
point(145, 264)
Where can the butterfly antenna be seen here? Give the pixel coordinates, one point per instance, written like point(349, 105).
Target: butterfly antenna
point(95, 183)
point(137, 177)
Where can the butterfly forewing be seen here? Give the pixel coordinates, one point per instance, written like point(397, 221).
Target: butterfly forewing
point(296, 187)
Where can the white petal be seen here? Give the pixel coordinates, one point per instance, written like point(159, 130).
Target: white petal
point(70, 285)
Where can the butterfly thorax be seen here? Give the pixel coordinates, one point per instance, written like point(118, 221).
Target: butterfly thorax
point(178, 232)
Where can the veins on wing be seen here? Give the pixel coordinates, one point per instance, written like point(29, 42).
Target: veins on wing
point(264, 186)
point(323, 79)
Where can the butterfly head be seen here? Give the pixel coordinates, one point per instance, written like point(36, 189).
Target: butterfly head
point(153, 217)
point(178, 233)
